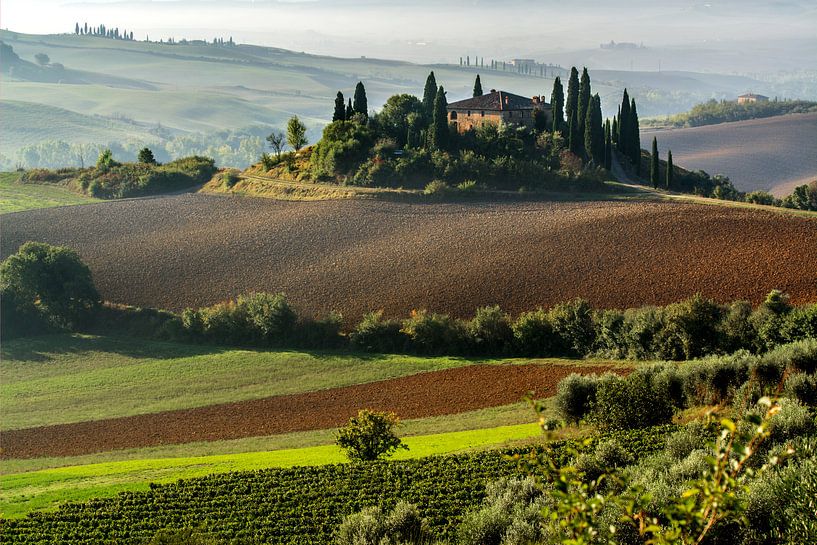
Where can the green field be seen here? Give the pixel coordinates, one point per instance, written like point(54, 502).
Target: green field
point(15, 196)
point(44, 489)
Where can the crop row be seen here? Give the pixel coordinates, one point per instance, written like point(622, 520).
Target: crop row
point(297, 505)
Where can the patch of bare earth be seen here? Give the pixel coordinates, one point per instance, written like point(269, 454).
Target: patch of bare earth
point(422, 395)
point(354, 256)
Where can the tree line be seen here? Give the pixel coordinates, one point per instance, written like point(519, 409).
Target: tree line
point(102, 31)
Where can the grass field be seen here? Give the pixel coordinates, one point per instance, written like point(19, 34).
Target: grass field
point(15, 197)
point(61, 379)
point(44, 489)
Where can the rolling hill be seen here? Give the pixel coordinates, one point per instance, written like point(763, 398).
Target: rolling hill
point(772, 154)
point(354, 256)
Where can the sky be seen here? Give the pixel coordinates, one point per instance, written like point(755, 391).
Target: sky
point(443, 30)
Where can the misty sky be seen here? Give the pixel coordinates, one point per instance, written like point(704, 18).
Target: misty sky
point(440, 31)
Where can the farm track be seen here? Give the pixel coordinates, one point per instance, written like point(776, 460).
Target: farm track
point(422, 395)
point(354, 256)
point(773, 154)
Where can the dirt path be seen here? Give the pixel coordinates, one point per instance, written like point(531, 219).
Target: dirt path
point(426, 394)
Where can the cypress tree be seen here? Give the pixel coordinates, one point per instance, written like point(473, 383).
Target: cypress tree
point(608, 145)
point(624, 125)
point(350, 111)
point(573, 137)
point(594, 132)
point(76, 29)
point(557, 103)
point(614, 131)
point(670, 173)
point(439, 124)
point(572, 101)
point(429, 94)
point(361, 104)
point(584, 99)
point(478, 87)
point(635, 138)
point(340, 108)
point(654, 167)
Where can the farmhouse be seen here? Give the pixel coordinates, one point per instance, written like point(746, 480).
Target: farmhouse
point(497, 107)
point(751, 97)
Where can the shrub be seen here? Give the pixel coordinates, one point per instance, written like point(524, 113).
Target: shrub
point(690, 329)
point(792, 421)
point(49, 282)
point(632, 402)
point(268, 161)
point(405, 525)
point(319, 333)
point(640, 330)
point(364, 528)
point(693, 436)
point(375, 334)
point(431, 333)
point(369, 436)
point(799, 324)
point(607, 456)
point(372, 526)
point(573, 323)
point(270, 317)
point(230, 177)
point(105, 160)
point(736, 328)
point(490, 331)
point(767, 371)
point(146, 156)
point(534, 335)
point(609, 334)
point(668, 378)
point(437, 188)
point(575, 395)
point(802, 387)
point(800, 356)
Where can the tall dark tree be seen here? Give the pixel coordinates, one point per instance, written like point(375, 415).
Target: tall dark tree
point(86, 28)
point(670, 172)
point(594, 132)
point(584, 99)
point(438, 132)
point(635, 138)
point(614, 131)
point(624, 125)
point(608, 145)
point(478, 87)
point(557, 103)
point(340, 108)
point(76, 29)
point(654, 164)
point(573, 134)
point(350, 111)
point(429, 94)
point(572, 101)
point(361, 103)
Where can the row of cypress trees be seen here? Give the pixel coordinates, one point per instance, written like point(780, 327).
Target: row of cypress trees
point(345, 112)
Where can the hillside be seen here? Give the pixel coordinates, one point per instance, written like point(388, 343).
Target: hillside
point(150, 93)
point(356, 255)
point(773, 154)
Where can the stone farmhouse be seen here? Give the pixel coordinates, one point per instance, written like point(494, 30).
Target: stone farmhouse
point(497, 107)
point(751, 97)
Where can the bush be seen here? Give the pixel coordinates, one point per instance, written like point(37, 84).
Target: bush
point(375, 334)
point(799, 324)
point(693, 436)
point(490, 331)
point(573, 323)
point(373, 527)
point(534, 335)
point(607, 456)
point(364, 528)
point(575, 396)
point(437, 188)
point(369, 436)
point(320, 333)
point(690, 329)
point(270, 317)
point(802, 387)
point(431, 333)
point(230, 177)
point(405, 525)
point(632, 402)
point(50, 283)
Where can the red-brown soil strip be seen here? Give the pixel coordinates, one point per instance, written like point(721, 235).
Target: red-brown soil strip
point(422, 395)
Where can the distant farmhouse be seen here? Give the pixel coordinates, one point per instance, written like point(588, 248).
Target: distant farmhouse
point(498, 107)
point(751, 97)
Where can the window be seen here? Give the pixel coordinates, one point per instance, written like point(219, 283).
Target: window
point(469, 113)
point(482, 113)
point(453, 115)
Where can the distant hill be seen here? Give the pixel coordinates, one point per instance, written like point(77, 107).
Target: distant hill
point(192, 89)
point(773, 154)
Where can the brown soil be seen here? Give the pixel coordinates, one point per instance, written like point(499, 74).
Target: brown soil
point(354, 256)
point(425, 394)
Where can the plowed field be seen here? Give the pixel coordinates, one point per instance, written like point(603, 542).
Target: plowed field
point(773, 154)
point(425, 394)
point(354, 256)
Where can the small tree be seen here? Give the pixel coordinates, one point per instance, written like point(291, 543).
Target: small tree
point(669, 169)
point(296, 133)
point(370, 436)
point(361, 103)
point(654, 168)
point(42, 59)
point(105, 160)
point(277, 141)
point(146, 156)
point(340, 108)
point(478, 87)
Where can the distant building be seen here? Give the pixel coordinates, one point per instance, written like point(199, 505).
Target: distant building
point(622, 45)
point(751, 97)
point(497, 107)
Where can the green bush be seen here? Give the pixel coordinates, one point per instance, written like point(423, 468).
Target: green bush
point(736, 328)
point(369, 435)
point(693, 436)
point(269, 317)
point(230, 177)
point(343, 146)
point(632, 402)
point(608, 456)
point(690, 329)
point(640, 331)
point(490, 332)
point(802, 387)
point(371, 526)
point(405, 525)
point(319, 333)
point(534, 335)
point(376, 334)
point(799, 324)
point(48, 283)
point(431, 333)
point(572, 323)
point(575, 396)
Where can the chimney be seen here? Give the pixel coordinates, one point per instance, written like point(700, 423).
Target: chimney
point(493, 90)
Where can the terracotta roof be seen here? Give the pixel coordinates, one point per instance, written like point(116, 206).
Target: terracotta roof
point(752, 95)
point(497, 101)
